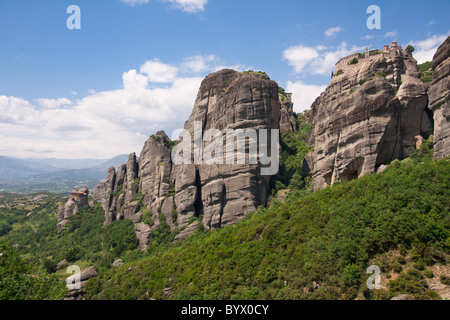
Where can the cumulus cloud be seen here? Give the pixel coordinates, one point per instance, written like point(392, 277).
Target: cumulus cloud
point(330, 33)
point(155, 96)
point(318, 60)
point(53, 103)
point(157, 71)
point(303, 95)
point(425, 49)
point(300, 56)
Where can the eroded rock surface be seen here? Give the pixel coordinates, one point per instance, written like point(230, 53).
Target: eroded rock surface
point(78, 199)
point(368, 116)
point(222, 194)
point(440, 100)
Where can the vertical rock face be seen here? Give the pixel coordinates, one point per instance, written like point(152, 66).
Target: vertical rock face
point(368, 116)
point(287, 119)
point(225, 193)
point(439, 94)
point(221, 193)
point(154, 171)
point(103, 194)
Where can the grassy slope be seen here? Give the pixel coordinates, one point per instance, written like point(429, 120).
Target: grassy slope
point(314, 247)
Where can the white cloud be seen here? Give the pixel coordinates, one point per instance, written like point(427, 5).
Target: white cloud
point(53, 103)
point(237, 67)
point(15, 110)
point(157, 71)
point(318, 60)
point(303, 95)
point(425, 49)
point(153, 97)
point(207, 63)
point(191, 6)
point(135, 2)
point(333, 31)
point(368, 37)
point(390, 34)
point(200, 63)
point(300, 56)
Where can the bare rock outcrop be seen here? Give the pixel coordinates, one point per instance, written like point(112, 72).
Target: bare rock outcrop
point(287, 118)
point(77, 282)
point(222, 194)
point(225, 193)
point(78, 199)
point(439, 94)
point(103, 194)
point(368, 116)
point(154, 171)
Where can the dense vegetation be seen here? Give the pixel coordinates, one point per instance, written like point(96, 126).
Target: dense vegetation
point(294, 150)
point(426, 72)
point(31, 227)
point(22, 280)
point(314, 246)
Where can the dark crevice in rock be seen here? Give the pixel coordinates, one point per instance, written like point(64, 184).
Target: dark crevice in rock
point(222, 203)
point(427, 121)
point(198, 204)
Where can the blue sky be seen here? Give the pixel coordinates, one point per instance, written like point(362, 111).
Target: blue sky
point(135, 66)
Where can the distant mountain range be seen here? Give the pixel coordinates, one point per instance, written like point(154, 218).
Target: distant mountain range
point(11, 168)
point(55, 175)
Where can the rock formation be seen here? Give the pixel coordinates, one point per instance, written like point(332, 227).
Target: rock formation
point(179, 194)
point(287, 119)
point(78, 199)
point(368, 116)
point(224, 193)
point(439, 94)
point(77, 282)
point(374, 111)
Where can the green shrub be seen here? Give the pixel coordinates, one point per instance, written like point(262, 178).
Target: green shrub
point(73, 254)
point(401, 260)
point(428, 273)
point(410, 48)
point(146, 217)
point(420, 265)
point(433, 295)
point(4, 228)
point(174, 215)
point(445, 280)
point(411, 282)
point(397, 267)
point(49, 266)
